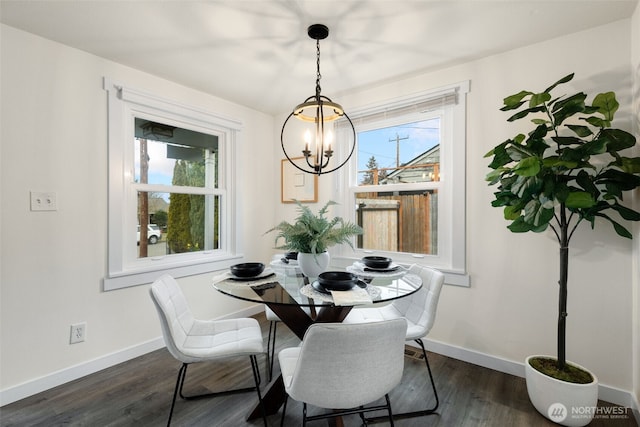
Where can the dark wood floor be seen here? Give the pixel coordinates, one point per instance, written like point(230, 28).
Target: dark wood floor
point(138, 393)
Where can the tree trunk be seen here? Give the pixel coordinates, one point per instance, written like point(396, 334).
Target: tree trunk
point(562, 298)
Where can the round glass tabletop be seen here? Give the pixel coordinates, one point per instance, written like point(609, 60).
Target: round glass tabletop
point(284, 284)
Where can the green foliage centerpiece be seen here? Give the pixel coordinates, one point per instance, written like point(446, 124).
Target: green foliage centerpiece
point(314, 233)
point(311, 233)
point(568, 169)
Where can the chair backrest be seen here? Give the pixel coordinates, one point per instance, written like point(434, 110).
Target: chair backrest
point(420, 308)
point(347, 365)
point(176, 319)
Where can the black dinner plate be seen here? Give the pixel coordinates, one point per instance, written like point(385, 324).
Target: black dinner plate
point(248, 279)
point(381, 270)
point(318, 287)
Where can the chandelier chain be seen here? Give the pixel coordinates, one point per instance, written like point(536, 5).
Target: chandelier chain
point(318, 75)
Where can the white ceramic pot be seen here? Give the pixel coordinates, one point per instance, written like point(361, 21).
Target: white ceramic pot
point(312, 265)
point(564, 403)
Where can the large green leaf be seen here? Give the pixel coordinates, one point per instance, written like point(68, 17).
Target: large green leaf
point(565, 79)
point(617, 139)
point(555, 161)
point(501, 157)
point(503, 198)
point(612, 191)
point(607, 104)
point(626, 213)
point(585, 181)
point(529, 166)
point(616, 226)
point(525, 113)
point(539, 98)
point(536, 214)
point(567, 140)
point(572, 154)
point(625, 181)
point(526, 186)
point(494, 176)
point(512, 212)
point(515, 101)
point(568, 107)
point(539, 132)
point(581, 131)
point(596, 121)
point(596, 146)
point(519, 226)
point(579, 199)
point(518, 152)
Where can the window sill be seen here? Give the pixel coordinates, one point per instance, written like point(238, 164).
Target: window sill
point(141, 277)
point(452, 277)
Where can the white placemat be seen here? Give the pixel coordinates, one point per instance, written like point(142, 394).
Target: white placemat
point(310, 292)
point(267, 276)
point(359, 269)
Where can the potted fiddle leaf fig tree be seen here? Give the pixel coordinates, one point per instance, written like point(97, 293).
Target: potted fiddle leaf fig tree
point(312, 234)
point(569, 169)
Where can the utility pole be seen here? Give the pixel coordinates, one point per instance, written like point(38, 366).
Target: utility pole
point(397, 139)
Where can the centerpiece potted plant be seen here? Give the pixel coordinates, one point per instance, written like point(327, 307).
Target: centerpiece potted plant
point(567, 170)
point(312, 234)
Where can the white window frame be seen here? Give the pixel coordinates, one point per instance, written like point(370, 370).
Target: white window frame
point(124, 267)
point(451, 254)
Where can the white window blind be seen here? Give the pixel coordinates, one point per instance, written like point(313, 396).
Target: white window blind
point(420, 103)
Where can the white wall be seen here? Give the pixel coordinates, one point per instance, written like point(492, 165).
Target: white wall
point(509, 311)
point(54, 138)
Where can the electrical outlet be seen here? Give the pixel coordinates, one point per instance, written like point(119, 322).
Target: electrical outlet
point(78, 332)
point(43, 201)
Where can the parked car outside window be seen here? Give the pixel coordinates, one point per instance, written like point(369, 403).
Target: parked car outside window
point(154, 234)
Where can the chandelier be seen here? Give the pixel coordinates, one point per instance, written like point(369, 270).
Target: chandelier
point(312, 134)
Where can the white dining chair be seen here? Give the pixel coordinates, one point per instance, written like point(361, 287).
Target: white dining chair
point(419, 310)
point(191, 340)
point(343, 367)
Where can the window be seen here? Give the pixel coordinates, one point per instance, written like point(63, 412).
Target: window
point(171, 180)
point(407, 180)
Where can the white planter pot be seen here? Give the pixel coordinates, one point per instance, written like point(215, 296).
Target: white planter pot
point(564, 403)
point(312, 265)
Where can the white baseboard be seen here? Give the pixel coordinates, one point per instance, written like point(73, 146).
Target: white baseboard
point(605, 392)
point(38, 385)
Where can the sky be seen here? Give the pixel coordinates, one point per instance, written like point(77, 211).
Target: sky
point(160, 167)
point(413, 139)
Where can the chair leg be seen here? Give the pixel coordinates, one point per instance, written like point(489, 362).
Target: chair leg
point(256, 377)
point(362, 417)
point(178, 389)
point(433, 384)
point(386, 396)
point(284, 409)
point(304, 414)
point(424, 412)
point(271, 346)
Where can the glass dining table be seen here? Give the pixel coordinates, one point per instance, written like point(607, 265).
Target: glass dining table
point(299, 302)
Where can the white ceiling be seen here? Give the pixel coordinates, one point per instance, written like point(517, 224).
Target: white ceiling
point(257, 52)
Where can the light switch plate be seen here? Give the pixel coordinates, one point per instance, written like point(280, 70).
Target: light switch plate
point(43, 201)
